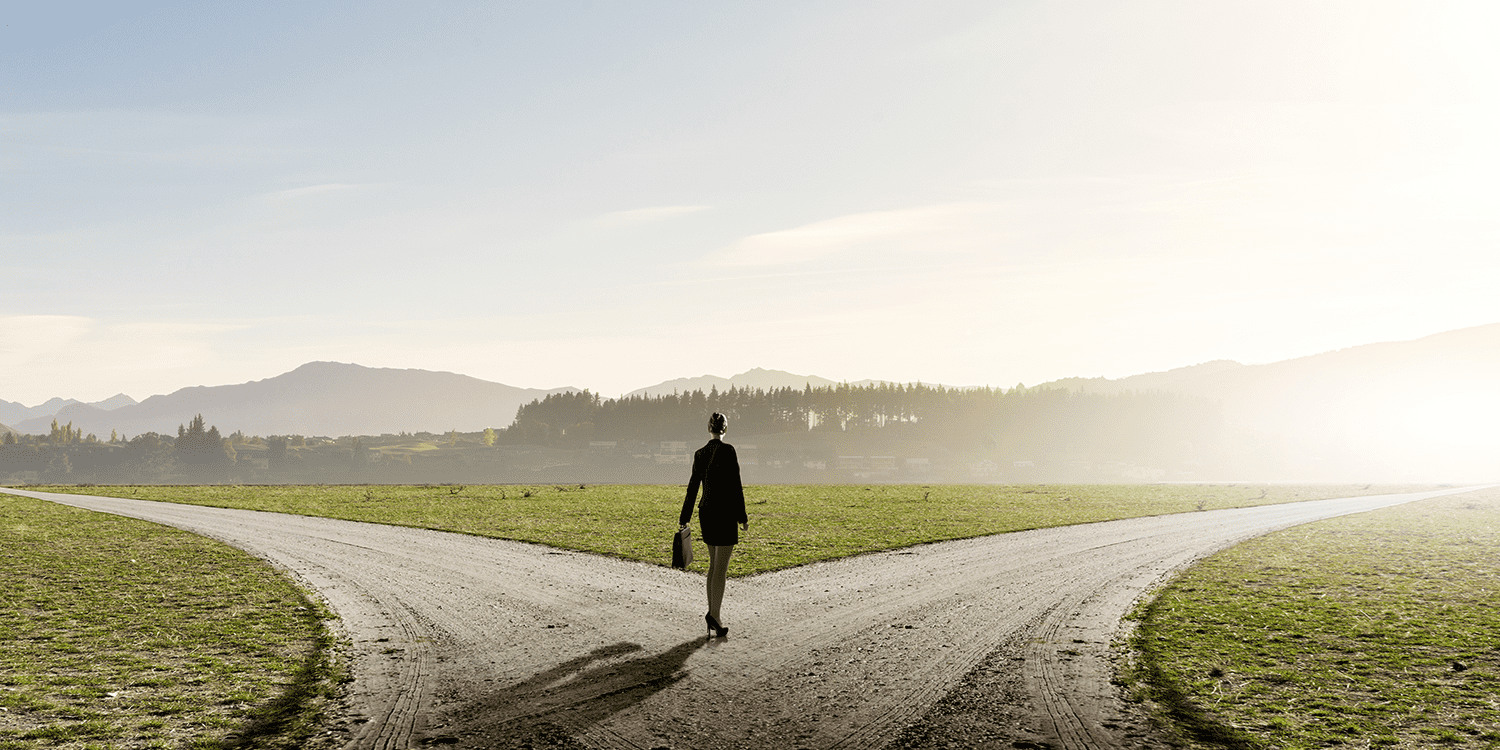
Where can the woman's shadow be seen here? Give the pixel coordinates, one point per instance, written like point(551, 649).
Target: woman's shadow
point(546, 709)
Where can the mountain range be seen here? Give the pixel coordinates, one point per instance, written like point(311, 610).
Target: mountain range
point(14, 413)
point(1427, 401)
point(318, 398)
point(1432, 402)
point(333, 399)
point(1447, 381)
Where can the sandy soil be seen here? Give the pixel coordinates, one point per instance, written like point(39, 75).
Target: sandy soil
point(1002, 641)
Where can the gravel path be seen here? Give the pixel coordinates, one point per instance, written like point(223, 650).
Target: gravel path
point(1001, 641)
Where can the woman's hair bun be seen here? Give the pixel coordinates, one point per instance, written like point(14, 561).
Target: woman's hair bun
point(717, 423)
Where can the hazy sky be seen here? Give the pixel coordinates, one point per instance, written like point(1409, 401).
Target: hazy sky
point(608, 195)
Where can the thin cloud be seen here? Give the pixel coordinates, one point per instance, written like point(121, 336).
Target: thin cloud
point(324, 189)
point(641, 216)
point(27, 337)
point(823, 238)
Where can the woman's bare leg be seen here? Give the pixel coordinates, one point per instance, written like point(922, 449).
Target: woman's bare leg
point(718, 569)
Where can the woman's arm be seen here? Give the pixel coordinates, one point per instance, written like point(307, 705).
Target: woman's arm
point(692, 490)
point(738, 489)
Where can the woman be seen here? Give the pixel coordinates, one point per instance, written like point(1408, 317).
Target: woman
point(716, 467)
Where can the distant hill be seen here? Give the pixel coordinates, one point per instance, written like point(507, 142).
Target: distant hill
point(14, 413)
point(318, 398)
point(7, 431)
point(114, 402)
point(757, 378)
point(1432, 401)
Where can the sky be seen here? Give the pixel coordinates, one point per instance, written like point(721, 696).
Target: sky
point(608, 195)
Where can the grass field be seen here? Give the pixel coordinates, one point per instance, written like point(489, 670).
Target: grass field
point(131, 634)
point(1375, 630)
point(789, 524)
point(122, 633)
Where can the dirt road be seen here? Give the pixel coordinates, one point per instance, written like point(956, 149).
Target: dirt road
point(471, 642)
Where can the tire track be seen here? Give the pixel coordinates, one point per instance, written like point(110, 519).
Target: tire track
point(397, 722)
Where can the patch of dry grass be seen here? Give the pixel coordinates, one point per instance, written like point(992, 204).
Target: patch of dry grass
point(123, 633)
point(1379, 629)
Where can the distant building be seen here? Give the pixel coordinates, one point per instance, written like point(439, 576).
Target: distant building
point(674, 452)
point(853, 463)
point(866, 467)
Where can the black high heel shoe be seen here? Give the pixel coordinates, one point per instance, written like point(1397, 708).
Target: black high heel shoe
point(713, 625)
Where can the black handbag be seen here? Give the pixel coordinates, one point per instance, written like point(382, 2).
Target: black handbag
point(682, 548)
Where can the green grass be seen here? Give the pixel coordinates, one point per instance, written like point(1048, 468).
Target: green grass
point(1380, 629)
point(120, 633)
point(789, 524)
point(197, 640)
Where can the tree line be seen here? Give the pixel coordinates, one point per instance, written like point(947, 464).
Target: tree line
point(198, 451)
point(1016, 422)
point(946, 428)
point(578, 417)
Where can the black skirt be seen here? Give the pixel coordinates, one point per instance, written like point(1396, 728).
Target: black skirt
point(718, 528)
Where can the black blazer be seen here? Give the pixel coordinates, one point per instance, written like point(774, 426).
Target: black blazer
point(717, 468)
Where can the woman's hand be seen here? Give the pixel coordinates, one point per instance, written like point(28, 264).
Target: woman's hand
point(745, 525)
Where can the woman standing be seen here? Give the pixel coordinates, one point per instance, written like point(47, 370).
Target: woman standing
point(717, 468)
